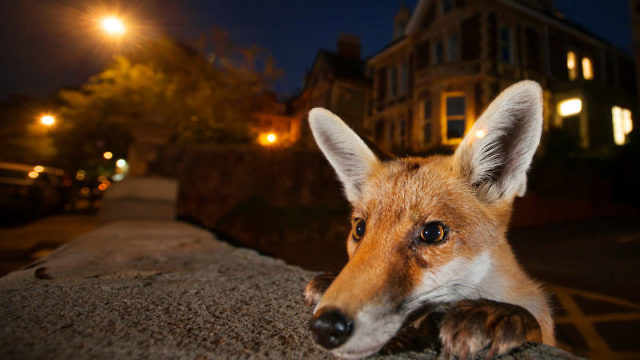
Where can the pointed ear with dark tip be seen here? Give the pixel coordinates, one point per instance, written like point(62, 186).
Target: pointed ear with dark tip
point(347, 153)
point(495, 155)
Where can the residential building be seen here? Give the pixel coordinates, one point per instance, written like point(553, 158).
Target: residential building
point(337, 82)
point(450, 58)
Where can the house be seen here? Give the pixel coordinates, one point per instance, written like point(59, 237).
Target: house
point(337, 82)
point(450, 58)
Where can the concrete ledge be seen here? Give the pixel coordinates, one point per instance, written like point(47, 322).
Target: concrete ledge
point(139, 290)
point(140, 199)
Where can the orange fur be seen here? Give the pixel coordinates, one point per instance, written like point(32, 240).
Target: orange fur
point(391, 273)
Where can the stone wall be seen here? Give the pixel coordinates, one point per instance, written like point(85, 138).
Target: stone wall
point(288, 203)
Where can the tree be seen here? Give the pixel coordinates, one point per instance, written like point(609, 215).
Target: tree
point(201, 93)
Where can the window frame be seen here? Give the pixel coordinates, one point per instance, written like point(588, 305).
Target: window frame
point(438, 57)
point(427, 119)
point(444, 119)
point(451, 48)
point(511, 45)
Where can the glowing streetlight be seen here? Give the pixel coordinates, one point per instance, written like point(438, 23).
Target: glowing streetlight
point(47, 120)
point(113, 26)
point(107, 155)
point(271, 138)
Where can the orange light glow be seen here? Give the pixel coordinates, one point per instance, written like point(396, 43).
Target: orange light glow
point(107, 155)
point(113, 26)
point(38, 168)
point(267, 139)
point(33, 174)
point(587, 69)
point(47, 120)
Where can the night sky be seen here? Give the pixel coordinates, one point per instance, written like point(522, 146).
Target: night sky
point(48, 44)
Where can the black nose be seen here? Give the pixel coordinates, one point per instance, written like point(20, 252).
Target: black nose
point(330, 328)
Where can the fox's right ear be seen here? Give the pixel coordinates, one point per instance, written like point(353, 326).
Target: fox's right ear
point(345, 150)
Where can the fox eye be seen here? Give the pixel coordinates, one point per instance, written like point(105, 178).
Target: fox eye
point(360, 228)
point(434, 232)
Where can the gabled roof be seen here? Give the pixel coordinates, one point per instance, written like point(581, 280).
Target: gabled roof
point(423, 6)
point(342, 67)
point(414, 21)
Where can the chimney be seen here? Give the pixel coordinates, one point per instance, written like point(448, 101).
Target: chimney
point(349, 46)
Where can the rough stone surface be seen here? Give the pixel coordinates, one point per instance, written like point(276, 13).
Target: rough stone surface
point(140, 290)
point(140, 199)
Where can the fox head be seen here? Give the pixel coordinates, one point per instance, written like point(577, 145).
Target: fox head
point(425, 230)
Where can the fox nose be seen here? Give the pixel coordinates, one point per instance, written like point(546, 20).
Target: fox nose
point(330, 328)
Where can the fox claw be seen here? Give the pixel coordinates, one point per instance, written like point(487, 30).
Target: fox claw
point(317, 286)
point(472, 326)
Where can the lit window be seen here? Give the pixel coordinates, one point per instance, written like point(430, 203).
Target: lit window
point(587, 68)
point(452, 48)
point(622, 124)
point(570, 107)
point(438, 52)
point(506, 45)
point(571, 65)
point(455, 116)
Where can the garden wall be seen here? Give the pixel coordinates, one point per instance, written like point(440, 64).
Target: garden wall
point(288, 203)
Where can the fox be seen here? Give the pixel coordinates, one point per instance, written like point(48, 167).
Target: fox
point(430, 233)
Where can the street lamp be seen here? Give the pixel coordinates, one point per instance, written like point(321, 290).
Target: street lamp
point(113, 26)
point(47, 120)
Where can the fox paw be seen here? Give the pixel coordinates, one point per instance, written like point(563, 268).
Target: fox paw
point(471, 326)
point(317, 286)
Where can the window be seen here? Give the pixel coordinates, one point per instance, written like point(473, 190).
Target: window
point(426, 118)
point(570, 107)
point(622, 124)
point(533, 53)
point(423, 55)
point(437, 52)
point(392, 133)
point(403, 133)
point(572, 65)
point(393, 84)
point(379, 131)
point(506, 45)
point(587, 69)
point(404, 78)
point(382, 84)
point(455, 116)
point(446, 6)
point(452, 48)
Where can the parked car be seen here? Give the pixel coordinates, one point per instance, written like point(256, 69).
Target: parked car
point(32, 190)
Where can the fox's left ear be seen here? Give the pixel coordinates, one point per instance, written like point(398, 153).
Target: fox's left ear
point(496, 153)
point(346, 151)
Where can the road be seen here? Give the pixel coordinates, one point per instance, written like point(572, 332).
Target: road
point(22, 244)
point(591, 268)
